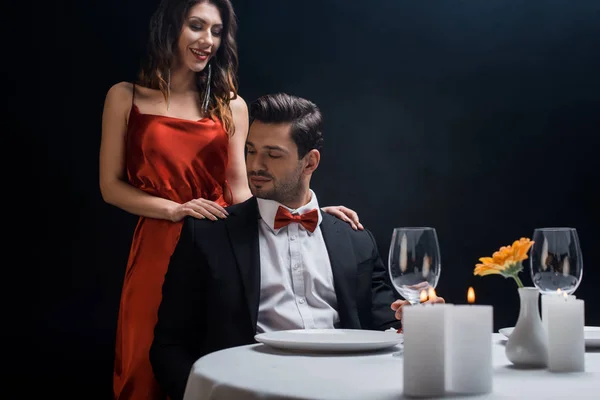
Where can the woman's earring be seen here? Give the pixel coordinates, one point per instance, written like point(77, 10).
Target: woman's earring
point(168, 88)
point(207, 90)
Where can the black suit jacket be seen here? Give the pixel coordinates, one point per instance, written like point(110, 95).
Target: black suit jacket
point(212, 288)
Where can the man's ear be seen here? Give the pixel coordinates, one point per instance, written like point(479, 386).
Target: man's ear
point(311, 161)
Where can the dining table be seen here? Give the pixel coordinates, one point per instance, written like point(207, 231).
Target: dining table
point(260, 371)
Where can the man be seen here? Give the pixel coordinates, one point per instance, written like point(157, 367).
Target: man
point(275, 263)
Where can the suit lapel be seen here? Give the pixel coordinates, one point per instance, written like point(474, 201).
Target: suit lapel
point(343, 267)
point(242, 226)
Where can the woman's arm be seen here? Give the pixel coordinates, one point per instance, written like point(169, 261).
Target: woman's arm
point(236, 169)
point(113, 183)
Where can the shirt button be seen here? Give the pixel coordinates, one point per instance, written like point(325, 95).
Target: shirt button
point(296, 267)
point(301, 301)
point(292, 237)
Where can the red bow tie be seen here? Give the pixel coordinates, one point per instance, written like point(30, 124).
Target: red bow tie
point(308, 220)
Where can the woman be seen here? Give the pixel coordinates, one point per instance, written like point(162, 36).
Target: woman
point(173, 146)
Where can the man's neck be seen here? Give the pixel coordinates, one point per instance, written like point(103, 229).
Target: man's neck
point(302, 200)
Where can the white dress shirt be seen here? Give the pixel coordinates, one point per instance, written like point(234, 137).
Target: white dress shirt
point(296, 282)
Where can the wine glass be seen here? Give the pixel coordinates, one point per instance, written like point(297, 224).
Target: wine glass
point(555, 260)
point(414, 261)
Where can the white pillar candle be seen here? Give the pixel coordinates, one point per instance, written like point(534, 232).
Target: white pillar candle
point(469, 349)
point(546, 298)
point(424, 353)
point(566, 337)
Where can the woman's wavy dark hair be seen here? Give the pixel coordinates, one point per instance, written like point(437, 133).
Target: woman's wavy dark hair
point(165, 27)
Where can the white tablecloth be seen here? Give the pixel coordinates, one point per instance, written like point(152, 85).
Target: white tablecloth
point(260, 372)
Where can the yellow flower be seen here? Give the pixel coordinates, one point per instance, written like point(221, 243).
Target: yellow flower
point(520, 248)
point(507, 261)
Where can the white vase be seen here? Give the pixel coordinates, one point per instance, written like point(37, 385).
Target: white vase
point(527, 345)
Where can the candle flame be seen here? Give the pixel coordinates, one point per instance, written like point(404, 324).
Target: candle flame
point(431, 294)
point(558, 291)
point(471, 295)
point(423, 297)
point(565, 296)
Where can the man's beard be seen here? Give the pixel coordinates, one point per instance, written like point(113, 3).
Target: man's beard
point(288, 190)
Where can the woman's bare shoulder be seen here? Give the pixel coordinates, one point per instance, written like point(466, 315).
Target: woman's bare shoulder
point(120, 93)
point(121, 89)
point(238, 104)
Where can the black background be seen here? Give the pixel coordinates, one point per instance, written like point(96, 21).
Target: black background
point(477, 118)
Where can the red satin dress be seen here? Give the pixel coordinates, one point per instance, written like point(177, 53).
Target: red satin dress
point(179, 160)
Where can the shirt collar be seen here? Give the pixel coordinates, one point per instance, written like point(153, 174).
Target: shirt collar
point(268, 208)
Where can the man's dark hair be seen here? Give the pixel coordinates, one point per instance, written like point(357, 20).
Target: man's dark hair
point(304, 116)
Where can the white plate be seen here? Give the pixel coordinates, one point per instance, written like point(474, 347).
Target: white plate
point(330, 340)
point(592, 335)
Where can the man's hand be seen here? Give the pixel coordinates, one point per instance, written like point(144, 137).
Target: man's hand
point(398, 305)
